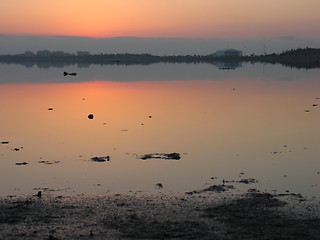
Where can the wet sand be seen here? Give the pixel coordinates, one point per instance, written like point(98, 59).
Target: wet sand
point(139, 216)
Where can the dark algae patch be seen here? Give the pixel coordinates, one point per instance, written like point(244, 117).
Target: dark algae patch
point(213, 188)
point(100, 159)
point(21, 163)
point(165, 156)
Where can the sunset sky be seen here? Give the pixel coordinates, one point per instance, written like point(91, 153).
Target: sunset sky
point(237, 19)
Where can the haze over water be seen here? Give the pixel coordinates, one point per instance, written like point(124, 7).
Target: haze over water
point(250, 122)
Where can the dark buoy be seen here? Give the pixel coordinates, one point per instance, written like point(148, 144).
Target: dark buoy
point(39, 194)
point(90, 116)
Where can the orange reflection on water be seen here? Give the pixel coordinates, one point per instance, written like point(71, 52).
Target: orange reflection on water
point(221, 128)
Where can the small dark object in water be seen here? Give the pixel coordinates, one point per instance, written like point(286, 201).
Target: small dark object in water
point(21, 163)
point(307, 110)
point(158, 185)
point(226, 68)
point(90, 116)
point(39, 194)
point(315, 105)
point(4, 142)
point(50, 109)
point(150, 116)
point(100, 159)
point(71, 74)
point(16, 149)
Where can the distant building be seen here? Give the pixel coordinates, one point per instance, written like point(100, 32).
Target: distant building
point(228, 53)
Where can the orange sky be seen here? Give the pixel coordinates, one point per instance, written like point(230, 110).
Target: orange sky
point(162, 18)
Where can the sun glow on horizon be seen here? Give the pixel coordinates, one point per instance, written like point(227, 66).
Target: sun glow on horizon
point(166, 18)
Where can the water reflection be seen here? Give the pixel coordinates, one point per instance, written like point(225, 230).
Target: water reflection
point(12, 73)
point(245, 127)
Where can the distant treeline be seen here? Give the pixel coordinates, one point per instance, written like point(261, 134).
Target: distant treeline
point(298, 58)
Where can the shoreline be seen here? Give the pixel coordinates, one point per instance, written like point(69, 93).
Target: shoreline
point(213, 215)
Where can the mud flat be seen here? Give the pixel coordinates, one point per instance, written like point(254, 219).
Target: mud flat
point(212, 215)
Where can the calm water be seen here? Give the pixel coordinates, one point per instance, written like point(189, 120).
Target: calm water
point(250, 122)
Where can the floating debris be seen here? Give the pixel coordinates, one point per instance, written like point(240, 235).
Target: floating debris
point(71, 74)
point(247, 181)
point(4, 142)
point(21, 163)
point(16, 149)
point(307, 110)
point(315, 105)
point(90, 116)
point(165, 156)
point(150, 116)
point(100, 159)
point(50, 109)
point(48, 162)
